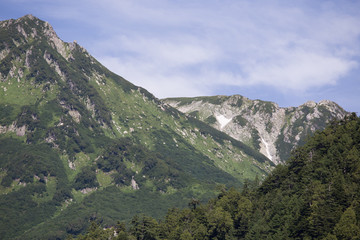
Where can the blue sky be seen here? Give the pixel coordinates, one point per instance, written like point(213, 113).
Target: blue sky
point(287, 52)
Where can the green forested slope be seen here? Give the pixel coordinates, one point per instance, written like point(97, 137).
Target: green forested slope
point(80, 143)
point(316, 195)
point(312, 195)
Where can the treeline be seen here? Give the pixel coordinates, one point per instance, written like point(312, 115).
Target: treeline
point(226, 217)
point(316, 195)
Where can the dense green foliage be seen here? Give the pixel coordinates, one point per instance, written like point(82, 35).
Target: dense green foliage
point(314, 196)
point(31, 166)
point(319, 183)
point(86, 179)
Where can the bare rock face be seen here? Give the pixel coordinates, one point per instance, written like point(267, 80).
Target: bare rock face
point(134, 184)
point(265, 126)
point(19, 131)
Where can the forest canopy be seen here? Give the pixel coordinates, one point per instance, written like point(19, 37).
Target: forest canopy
point(315, 195)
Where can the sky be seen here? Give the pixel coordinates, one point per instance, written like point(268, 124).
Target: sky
point(288, 52)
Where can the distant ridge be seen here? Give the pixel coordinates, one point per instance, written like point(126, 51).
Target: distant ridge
point(264, 126)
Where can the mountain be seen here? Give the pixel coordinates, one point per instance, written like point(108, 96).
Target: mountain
point(315, 195)
point(79, 143)
point(262, 125)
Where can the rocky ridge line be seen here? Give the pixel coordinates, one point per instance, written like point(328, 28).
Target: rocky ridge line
point(265, 126)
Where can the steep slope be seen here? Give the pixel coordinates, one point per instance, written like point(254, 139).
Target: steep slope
point(265, 126)
point(78, 142)
point(315, 195)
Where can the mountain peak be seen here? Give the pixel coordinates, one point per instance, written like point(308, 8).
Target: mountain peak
point(29, 16)
point(29, 27)
point(310, 104)
point(26, 31)
point(24, 19)
point(325, 102)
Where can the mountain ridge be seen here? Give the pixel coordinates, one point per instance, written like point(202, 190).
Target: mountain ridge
point(263, 125)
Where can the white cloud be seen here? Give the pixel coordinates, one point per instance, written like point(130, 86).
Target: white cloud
point(177, 52)
point(184, 48)
point(299, 70)
point(155, 80)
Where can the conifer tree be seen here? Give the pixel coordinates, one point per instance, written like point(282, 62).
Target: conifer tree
point(347, 227)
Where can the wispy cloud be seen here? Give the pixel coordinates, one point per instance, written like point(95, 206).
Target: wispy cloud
point(289, 47)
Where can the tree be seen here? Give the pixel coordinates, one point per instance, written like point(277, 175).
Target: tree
point(193, 203)
point(220, 224)
point(144, 228)
point(347, 227)
point(96, 232)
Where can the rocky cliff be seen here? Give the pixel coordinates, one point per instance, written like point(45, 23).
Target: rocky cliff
point(265, 126)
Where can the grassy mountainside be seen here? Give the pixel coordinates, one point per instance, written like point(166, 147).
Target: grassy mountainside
point(78, 142)
point(315, 195)
point(262, 125)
